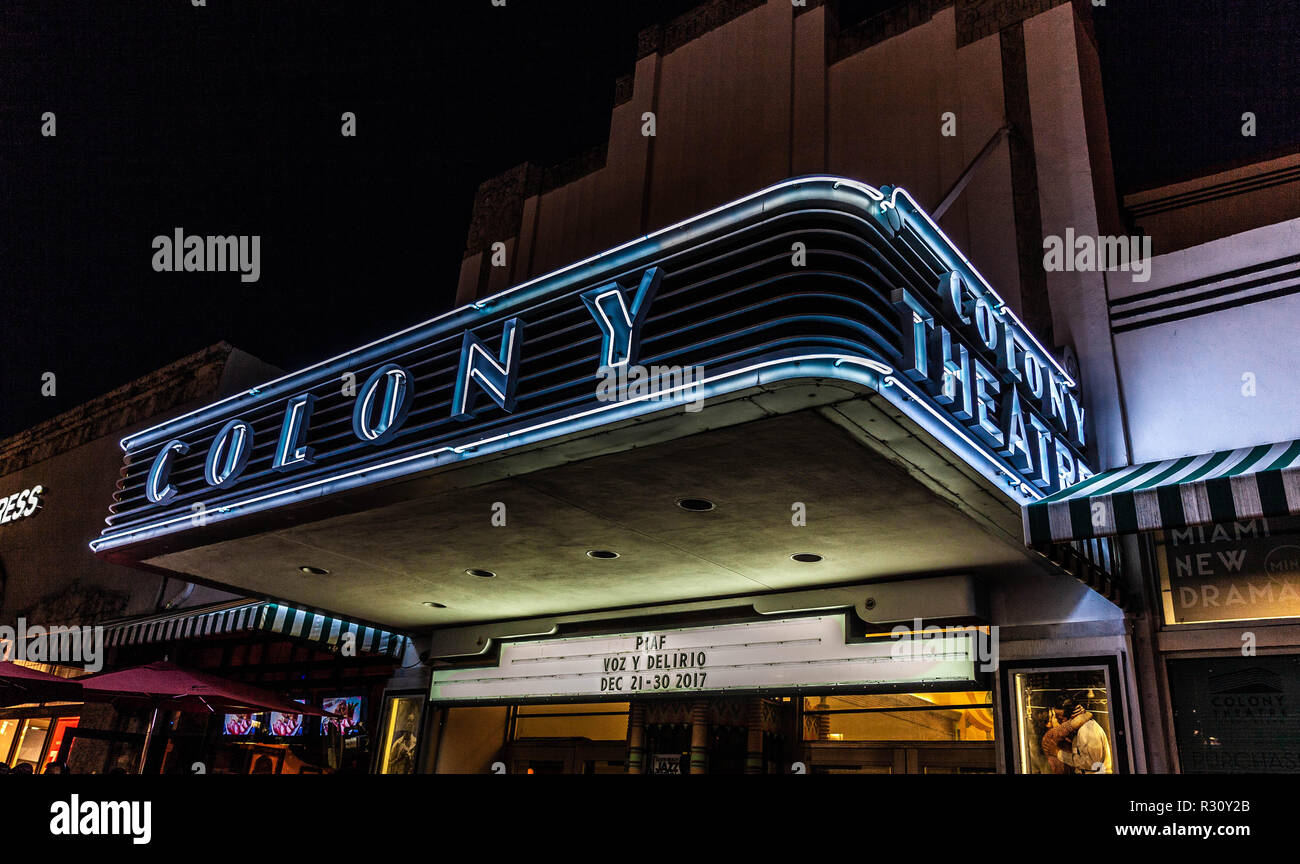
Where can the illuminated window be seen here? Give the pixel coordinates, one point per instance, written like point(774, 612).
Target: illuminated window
point(8, 729)
point(31, 741)
point(961, 716)
point(56, 740)
point(603, 721)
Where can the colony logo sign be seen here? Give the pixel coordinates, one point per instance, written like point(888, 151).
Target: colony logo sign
point(568, 353)
point(1253, 694)
point(384, 401)
point(981, 387)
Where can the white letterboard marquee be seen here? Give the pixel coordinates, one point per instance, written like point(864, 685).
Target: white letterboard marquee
point(804, 652)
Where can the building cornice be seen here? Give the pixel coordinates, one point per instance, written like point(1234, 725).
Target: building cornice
point(186, 380)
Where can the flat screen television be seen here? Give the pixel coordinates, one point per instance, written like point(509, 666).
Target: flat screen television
point(286, 725)
point(353, 709)
point(243, 725)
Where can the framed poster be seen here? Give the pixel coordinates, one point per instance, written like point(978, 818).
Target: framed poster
point(400, 740)
point(666, 763)
point(1235, 714)
point(1234, 571)
point(1065, 718)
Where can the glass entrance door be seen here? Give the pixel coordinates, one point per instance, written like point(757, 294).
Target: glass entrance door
point(668, 748)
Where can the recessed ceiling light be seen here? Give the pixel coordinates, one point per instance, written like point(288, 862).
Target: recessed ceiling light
point(482, 574)
point(313, 571)
point(806, 557)
point(695, 505)
point(601, 553)
point(433, 605)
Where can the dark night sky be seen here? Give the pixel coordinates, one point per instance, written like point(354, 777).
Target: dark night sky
point(225, 120)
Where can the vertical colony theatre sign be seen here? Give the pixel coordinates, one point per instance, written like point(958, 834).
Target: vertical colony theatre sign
point(874, 297)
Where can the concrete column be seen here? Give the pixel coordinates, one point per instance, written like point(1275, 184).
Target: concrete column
point(1054, 73)
point(499, 275)
point(467, 287)
point(808, 92)
point(700, 738)
point(636, 739)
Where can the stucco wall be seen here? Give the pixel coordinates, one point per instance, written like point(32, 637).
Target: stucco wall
point(1184, 385)
point(50, 574)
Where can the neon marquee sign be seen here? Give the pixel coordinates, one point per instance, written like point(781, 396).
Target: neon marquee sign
point(1032, 433)
point(886, 304)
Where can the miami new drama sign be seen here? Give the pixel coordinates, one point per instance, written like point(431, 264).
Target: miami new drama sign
point(877, 298)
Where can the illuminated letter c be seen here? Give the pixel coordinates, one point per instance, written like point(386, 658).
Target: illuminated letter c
point(156, 488)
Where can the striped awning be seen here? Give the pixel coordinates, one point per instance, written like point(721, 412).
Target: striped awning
point(231, 617)
point(1226, 486)
point(311, 625)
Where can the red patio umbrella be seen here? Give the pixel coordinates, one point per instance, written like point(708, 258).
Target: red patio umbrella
point(172, 687)
point(19, 684)
point(166, 686)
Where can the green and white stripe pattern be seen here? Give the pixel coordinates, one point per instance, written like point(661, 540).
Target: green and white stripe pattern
point(1227, 486)
point(310, 625)
point(328, 630)
point(194, 623)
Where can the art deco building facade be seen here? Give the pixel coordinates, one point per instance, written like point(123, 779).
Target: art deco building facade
point(764, 439)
